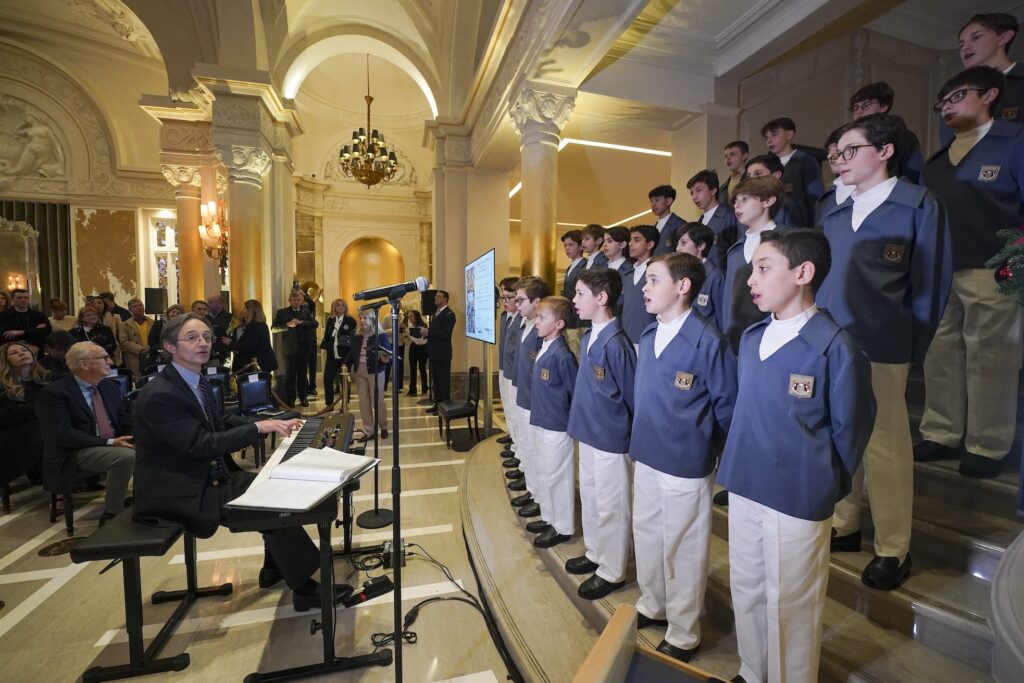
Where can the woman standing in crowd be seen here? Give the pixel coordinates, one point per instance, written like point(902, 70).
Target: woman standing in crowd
point(5, 301)
point(156, 354)
point(338, 334)
point(59, 320)
point(251, 340)
point(417, 350)
point(364, 365)
point(89, 329)
point(21, 380)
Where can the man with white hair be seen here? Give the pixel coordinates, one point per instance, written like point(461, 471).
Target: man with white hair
point(86, 428)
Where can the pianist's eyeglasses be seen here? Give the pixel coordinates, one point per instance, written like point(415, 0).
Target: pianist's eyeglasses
point(195, 338)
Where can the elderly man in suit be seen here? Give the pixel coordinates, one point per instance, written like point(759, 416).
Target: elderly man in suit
point(133, 337)
point(439, 349)
point(296, 325)
point(86, 428)
point(185, 472)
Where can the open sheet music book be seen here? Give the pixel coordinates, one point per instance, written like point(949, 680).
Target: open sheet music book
point(304, 480)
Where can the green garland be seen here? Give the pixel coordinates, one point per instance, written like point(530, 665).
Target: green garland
point(1009, 264)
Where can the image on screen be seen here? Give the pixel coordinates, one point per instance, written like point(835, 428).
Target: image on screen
point(480, 304)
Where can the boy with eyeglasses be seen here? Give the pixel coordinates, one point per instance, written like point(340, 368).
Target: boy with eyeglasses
point(877, 98)
point(971, 369)
point(985, 40)
point(889, 281)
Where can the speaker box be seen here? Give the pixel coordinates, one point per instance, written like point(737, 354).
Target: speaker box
point(156, 300)
point(427, 306)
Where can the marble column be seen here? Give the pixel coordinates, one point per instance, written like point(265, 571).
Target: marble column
point(539, 116)
point(191, 257)
point(246, 166)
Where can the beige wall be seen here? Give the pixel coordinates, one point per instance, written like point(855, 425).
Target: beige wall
point(105, 248)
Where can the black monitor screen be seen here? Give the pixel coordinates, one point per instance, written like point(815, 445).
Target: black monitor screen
point(255, 396)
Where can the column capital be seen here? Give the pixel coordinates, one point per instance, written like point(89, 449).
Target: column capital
point(178, 175)
point(245, 163)
point(541, 113)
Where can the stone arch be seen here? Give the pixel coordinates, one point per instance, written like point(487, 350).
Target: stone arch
point(299, 60)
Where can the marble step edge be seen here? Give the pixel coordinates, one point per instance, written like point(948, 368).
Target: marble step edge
point(1004, 487)
point(836, 667)
point(936, 624)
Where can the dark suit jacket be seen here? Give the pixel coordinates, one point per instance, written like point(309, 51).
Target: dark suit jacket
point(439, 335)
point(669, 235)
point(352, 359)
point(29, 321)
point(220, 323)
point(254, 343)
point(346, 336)
point(726, 228)
point(174, 446)
point(69, 426)
point(296, 339)
point(801, 180)
point(569, 291)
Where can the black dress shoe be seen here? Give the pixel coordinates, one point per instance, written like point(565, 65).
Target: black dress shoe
point(930, 451)
point(580, 565)
point(596, 588)
point(305, 404)
point(721, 498)
point(270, 576)
point(643, 621)
point(517, 485)
point(850, 543)
point(106, 517)
point(412, 393)
point(312, 391)
point(514, 474)
point(504, 440)
point(980, 467)
point(529, 510)
point(738, 679)
point(510, 463)
point(520, 501)
point(306, 602)
point(383, 433)
point(537, 526)
point(550, 538)
point(886, 573)
point(667, 648)
point(507, 453)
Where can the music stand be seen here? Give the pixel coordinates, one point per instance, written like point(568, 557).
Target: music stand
point(378, 517)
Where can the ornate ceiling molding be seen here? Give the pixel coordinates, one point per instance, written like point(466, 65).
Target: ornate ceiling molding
point(118, 18)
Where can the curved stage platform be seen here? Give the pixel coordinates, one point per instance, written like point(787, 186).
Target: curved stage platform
point(935, 628)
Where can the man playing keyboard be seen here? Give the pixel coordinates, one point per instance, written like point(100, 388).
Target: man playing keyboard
point(184, 473)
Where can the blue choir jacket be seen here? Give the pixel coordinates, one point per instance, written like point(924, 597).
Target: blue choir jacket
point(526, 355)
point(803, 418)
point(602, 407)
point(983, 194)
point(889, 280)
point(554, 378)
point(510, 335)
point(683, 400)
point(723, 224)
point(634, 314)
point(737, 310)
point(709, 300)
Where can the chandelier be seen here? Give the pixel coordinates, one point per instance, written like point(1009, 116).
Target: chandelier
point(367, 159)
point(213, 230)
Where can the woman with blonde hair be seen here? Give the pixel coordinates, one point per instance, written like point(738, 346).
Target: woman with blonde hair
point(338, 335)
point(365, 366)
point(90, 329)
point(251, 340)
point(21, 380)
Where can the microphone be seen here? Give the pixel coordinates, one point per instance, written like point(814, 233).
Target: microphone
point(420, 284)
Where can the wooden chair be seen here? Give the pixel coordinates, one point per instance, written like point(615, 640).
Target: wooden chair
point(457, 409)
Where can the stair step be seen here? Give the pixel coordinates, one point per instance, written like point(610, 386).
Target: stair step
point(941, 481)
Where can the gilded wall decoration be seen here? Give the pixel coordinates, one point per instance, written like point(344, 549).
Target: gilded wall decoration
point(105, 252)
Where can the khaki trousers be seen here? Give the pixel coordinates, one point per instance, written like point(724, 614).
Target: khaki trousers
point(364, 388)
point(973, 367)
point(887, 469)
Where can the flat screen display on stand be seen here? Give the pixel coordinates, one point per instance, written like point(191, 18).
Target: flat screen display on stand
point(480, 304)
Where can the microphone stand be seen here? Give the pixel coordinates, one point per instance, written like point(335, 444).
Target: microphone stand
point(397, 550)
point(378, 517)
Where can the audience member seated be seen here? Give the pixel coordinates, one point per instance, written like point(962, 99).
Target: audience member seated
point(155, 354)
point(21, 323)
point(89, 329)
point(59, 320)
point(21, 380)
point(134, 338)
point(87, 428)
point(251, 340)
point(56, 348)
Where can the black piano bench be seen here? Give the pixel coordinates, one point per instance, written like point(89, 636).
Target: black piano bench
point(124, 540)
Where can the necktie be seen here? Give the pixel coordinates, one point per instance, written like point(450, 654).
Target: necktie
point(99, 410)
point(220, 469)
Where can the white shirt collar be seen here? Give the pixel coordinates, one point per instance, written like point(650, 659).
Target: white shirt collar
point(614, 265)
point(706, 216)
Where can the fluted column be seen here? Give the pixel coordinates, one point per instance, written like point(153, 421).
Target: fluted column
point(188, 196)
point(539, 116)
point(246, 166)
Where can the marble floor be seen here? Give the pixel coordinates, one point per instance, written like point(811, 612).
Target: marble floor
point(58, 619)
